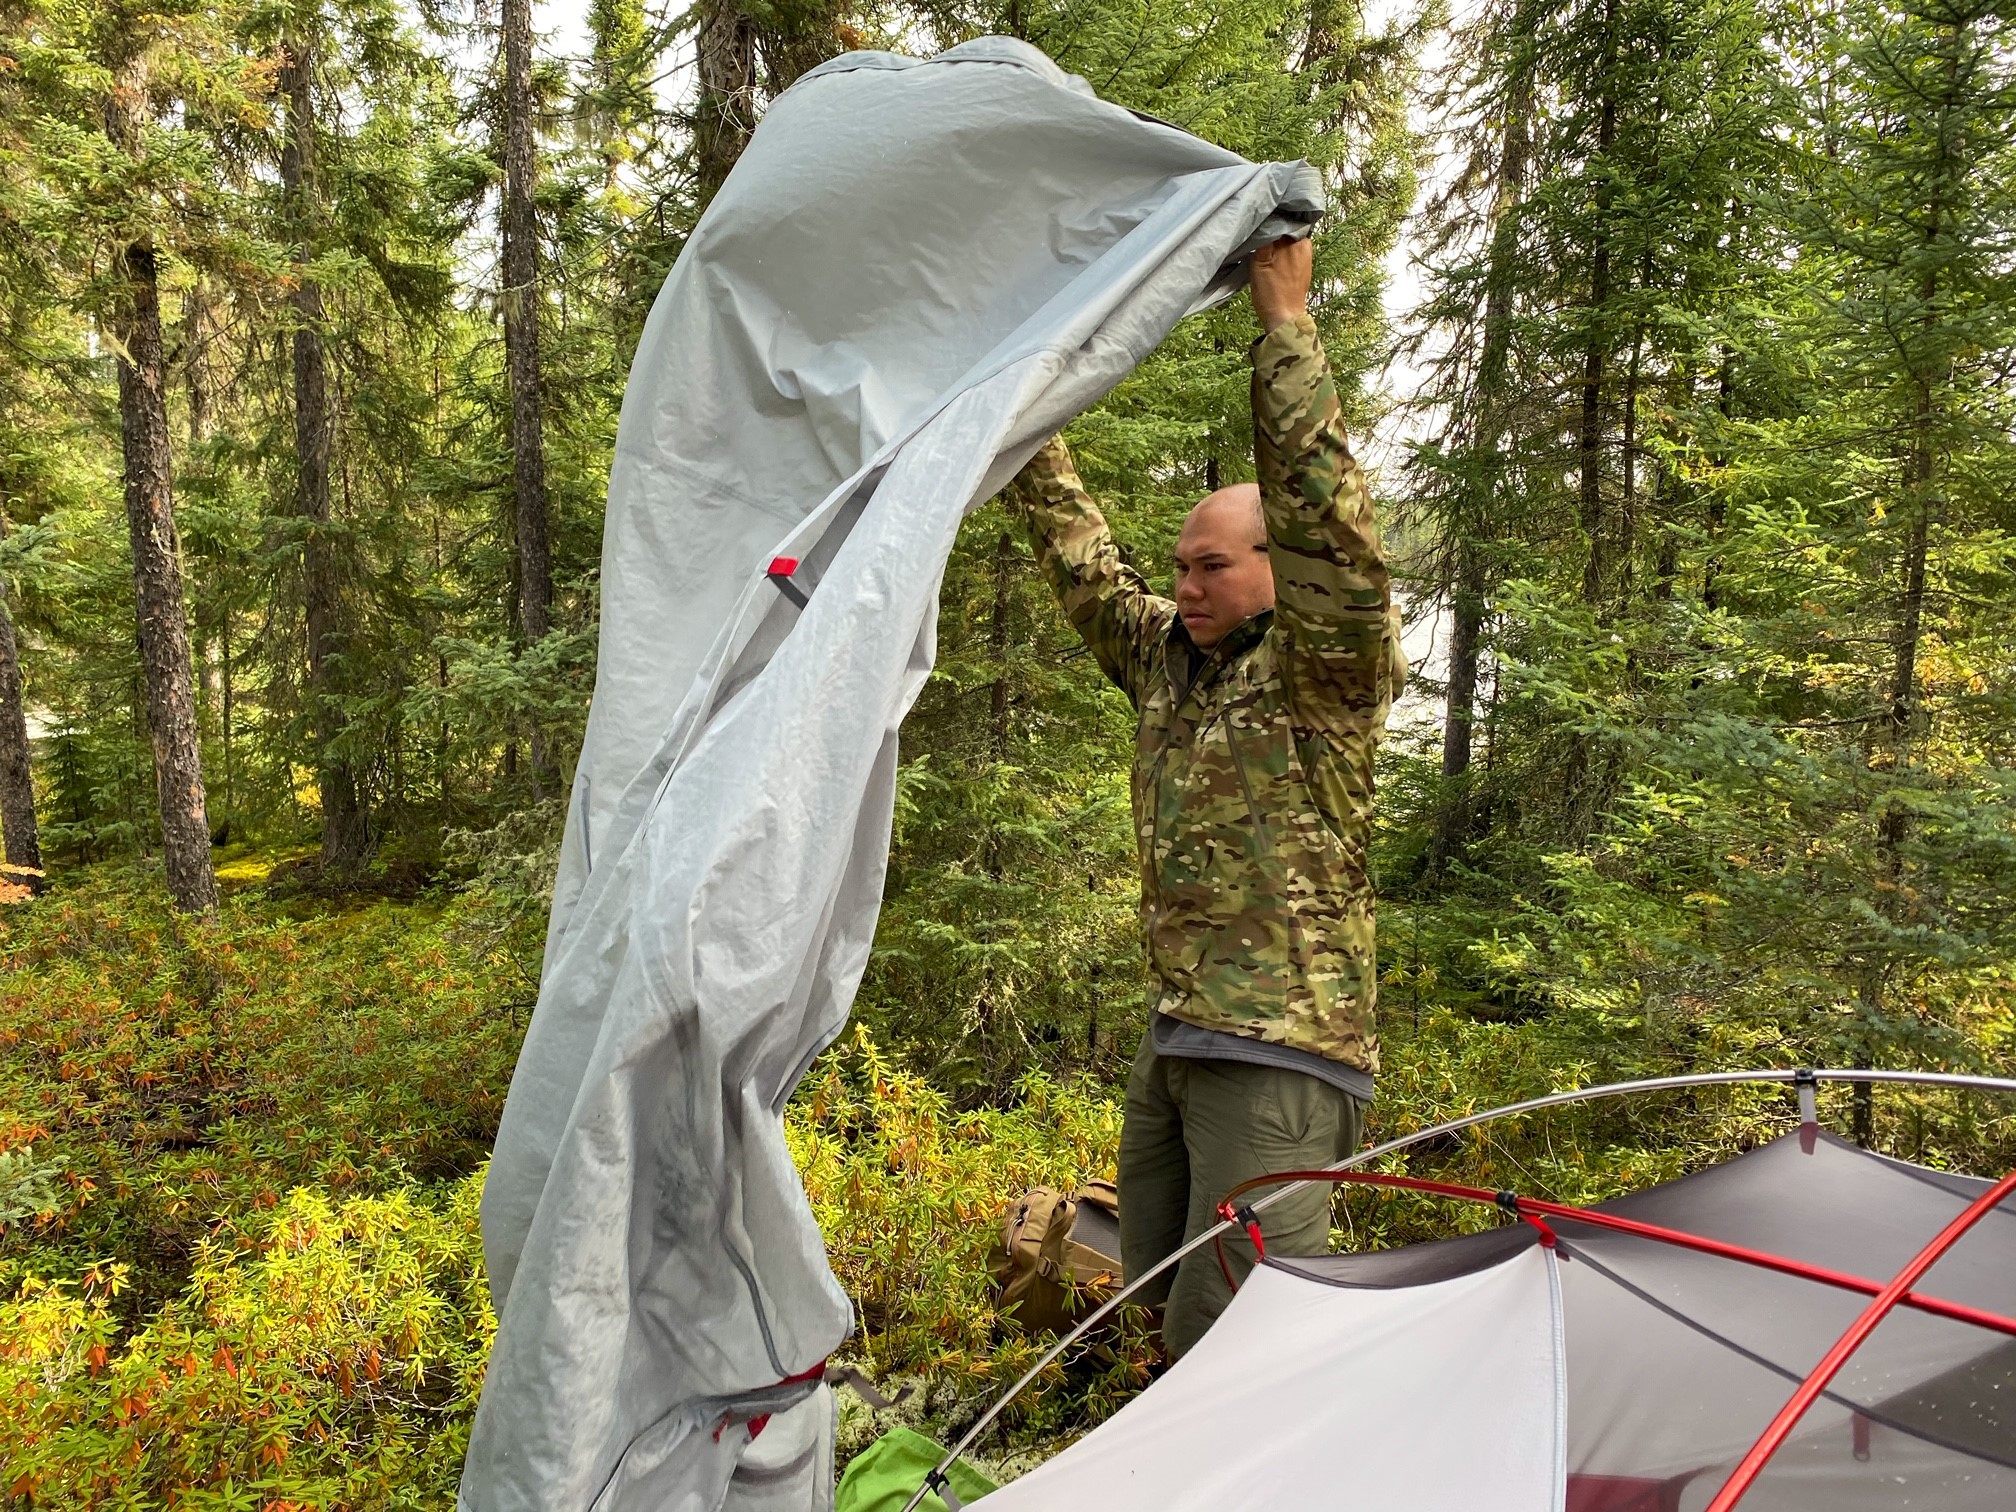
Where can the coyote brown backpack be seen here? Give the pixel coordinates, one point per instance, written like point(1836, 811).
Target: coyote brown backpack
point(1052, 1245)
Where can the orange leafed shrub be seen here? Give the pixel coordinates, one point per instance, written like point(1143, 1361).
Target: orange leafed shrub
point(326, 1354)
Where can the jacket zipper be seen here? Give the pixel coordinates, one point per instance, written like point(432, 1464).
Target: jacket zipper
point(1238, 765)
point(1246, 787)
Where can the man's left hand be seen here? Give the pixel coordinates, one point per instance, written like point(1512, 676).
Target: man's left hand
point(1280, 275)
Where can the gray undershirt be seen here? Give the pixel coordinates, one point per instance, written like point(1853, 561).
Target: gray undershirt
point(1171, 1036)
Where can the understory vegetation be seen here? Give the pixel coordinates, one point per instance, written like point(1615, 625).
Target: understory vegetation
point(240, 1257)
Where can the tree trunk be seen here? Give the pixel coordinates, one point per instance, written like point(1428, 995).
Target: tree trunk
point(345, 833)
point(1911, 608)
point(521, 343)
point(229, 714)
point(1590, 440)
point(725, 113)
point(1466, 625)
point(1627, 514)
point(1919, 480)
point(997, 643)
point(1455, 822)
point(195, 362)
point(1725, 404)
point(1469, 588)
point(1596, 352)
point(157, 584)
point(17, 787)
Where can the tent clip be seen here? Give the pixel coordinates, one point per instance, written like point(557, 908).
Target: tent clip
point(938, 1481)
point(1808, 1086)
point(1250, 1220)
point(1509, 1201)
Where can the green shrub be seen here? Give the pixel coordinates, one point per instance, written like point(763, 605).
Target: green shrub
point(326, 1354)
point(168, 1072)
point(910, 1193)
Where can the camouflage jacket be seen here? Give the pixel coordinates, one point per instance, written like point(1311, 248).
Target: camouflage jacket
point(1253, 766)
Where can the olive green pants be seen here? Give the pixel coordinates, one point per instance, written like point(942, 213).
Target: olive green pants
point(1194, 1130)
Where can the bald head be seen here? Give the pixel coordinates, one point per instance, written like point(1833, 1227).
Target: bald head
point(1238, 507)
point(1223, 575)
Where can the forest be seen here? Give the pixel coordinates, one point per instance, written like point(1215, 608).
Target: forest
point(1683, 336)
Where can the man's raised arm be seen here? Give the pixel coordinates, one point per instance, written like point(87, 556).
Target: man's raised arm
point(1331, 586)
point(1121, 619)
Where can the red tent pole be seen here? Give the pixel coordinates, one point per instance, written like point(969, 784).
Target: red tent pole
point(1528, 1207)
point(1830, 1365)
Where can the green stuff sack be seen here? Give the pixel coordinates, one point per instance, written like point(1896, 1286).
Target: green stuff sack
point(884, 1476)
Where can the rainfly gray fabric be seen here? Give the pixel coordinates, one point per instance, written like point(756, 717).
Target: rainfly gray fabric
point(917, 271)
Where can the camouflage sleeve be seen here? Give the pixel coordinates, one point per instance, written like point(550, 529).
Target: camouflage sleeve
point(1111, 605)
point(1340, 648)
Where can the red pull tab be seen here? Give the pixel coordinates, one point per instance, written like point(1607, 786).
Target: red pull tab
point(779, 572)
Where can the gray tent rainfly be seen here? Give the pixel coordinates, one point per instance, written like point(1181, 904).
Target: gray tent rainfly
point(1808, 1327)
point(917, 271)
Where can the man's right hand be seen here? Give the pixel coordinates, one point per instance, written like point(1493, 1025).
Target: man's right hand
point(1280, 276)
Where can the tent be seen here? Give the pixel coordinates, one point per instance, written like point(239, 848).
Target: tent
point(1623, 1358)
point(918, 270)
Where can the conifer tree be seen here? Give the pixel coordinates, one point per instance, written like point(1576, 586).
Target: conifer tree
point(126, 48)
point(344, 825)
point(522, 301)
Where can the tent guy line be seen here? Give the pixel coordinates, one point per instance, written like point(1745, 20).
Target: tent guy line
point(1803, 1078)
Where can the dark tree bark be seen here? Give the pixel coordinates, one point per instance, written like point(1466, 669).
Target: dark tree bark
point(1725, 404)
point(161, 622)
point(1930, 372)
point(1596, 351)
point(157, 585)
point(725, 113)
point(1590, 437)
point(521, 343)
point(1468, 586)
point(345, 832)
point(1627, 513)
point(997, 643)
point(195, 364)
point(1466, 623)
point(17, 787)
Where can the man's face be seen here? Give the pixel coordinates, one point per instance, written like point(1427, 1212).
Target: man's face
point(1223, 574)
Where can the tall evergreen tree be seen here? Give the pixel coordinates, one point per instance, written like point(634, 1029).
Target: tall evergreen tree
point(344, 827)
point(522, 302)
point(133, 322)
point(24, 346)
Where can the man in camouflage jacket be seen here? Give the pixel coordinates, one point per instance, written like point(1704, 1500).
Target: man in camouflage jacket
point(1262, 689)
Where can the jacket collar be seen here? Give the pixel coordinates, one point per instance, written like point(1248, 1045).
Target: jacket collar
point(1187, 666)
